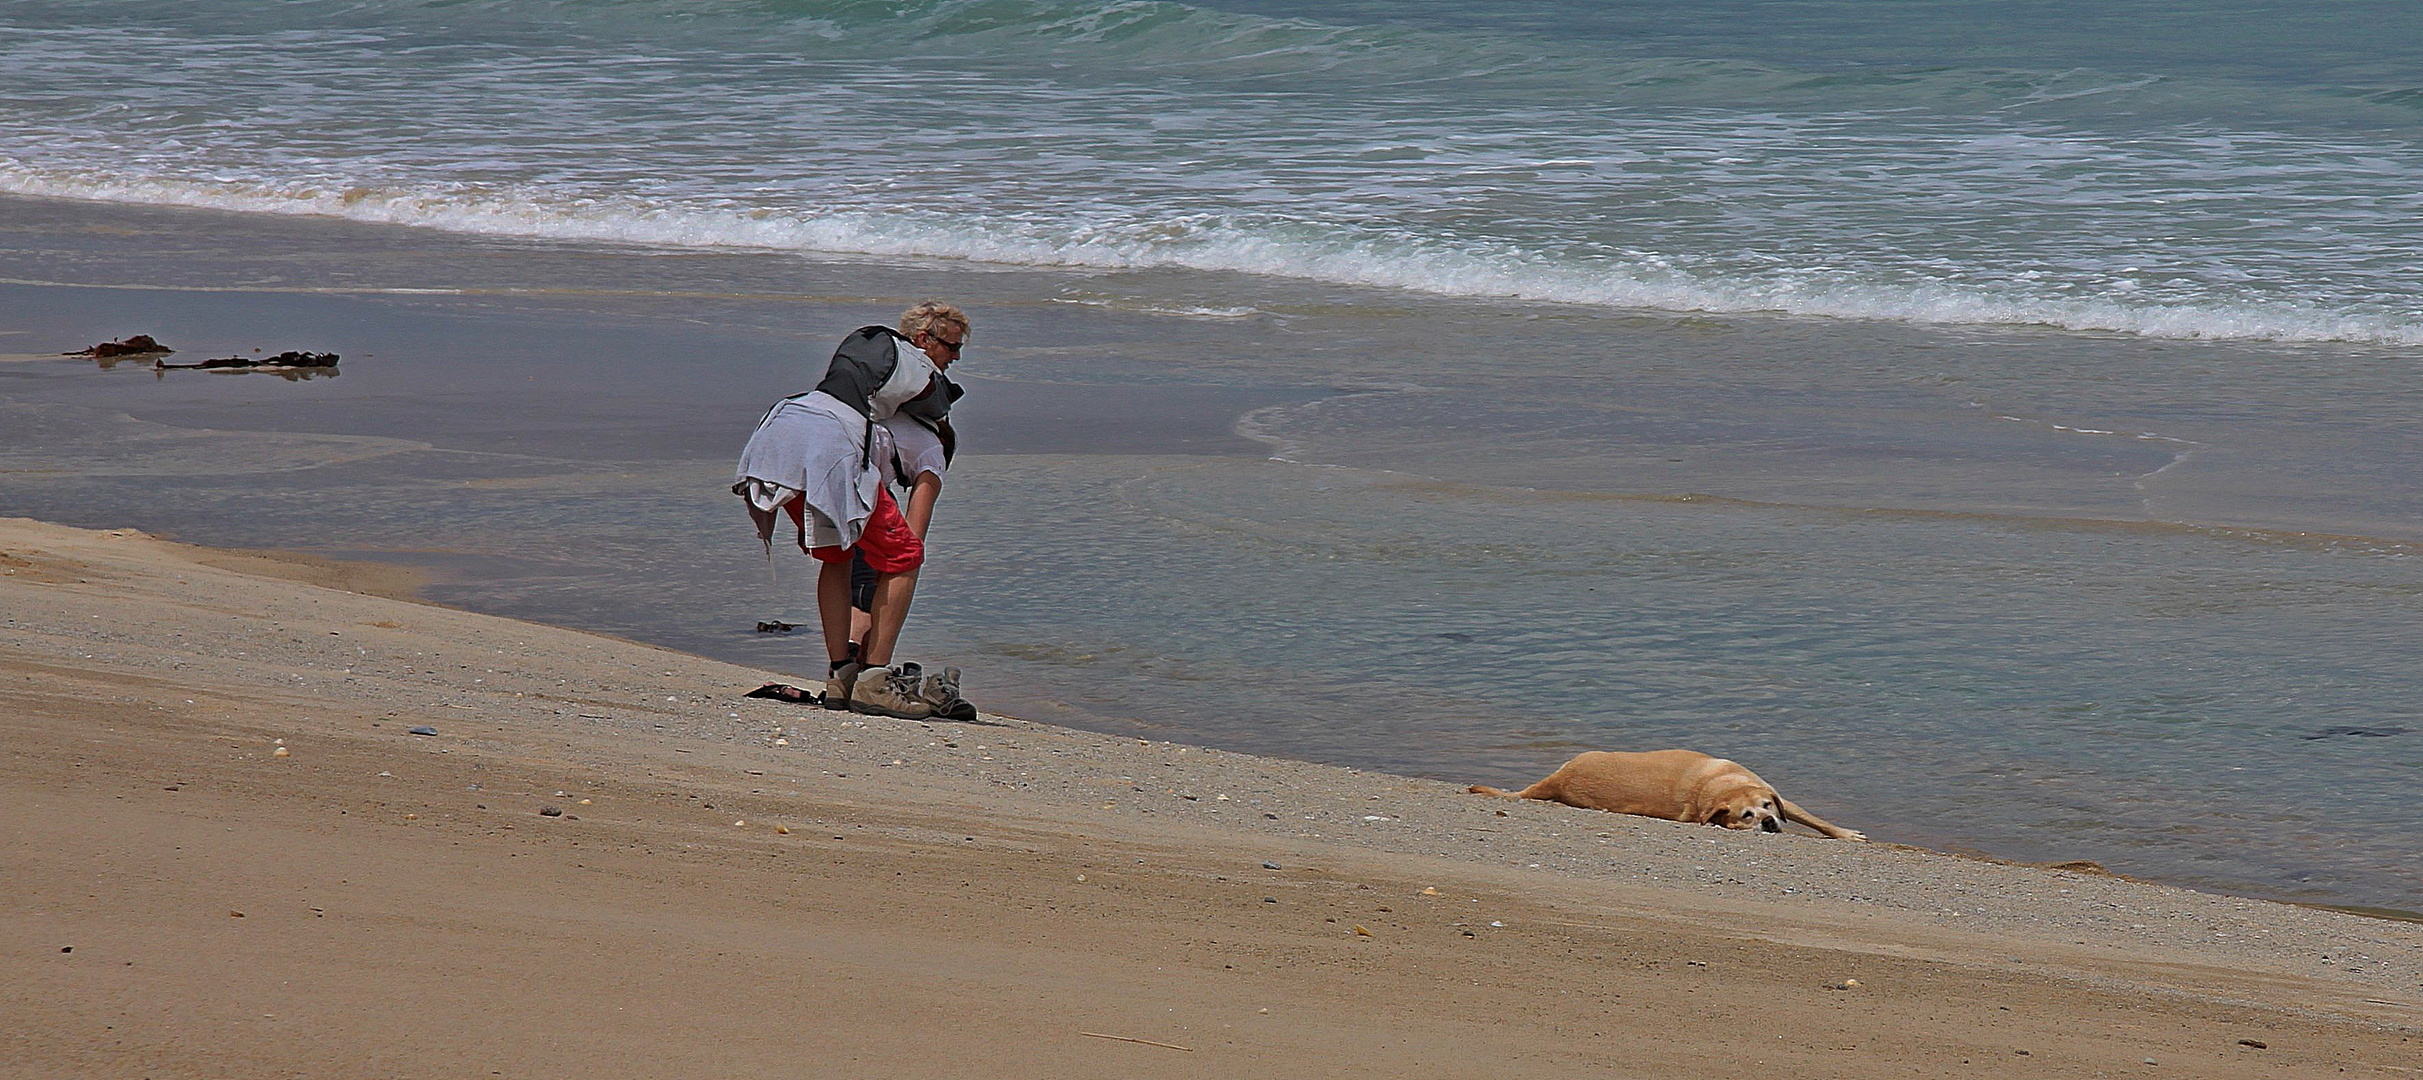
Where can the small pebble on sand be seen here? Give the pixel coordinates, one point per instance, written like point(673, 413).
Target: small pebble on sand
point(279, 752)
point(550, 811)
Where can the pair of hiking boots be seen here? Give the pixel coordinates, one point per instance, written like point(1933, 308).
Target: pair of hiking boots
point(903, 691)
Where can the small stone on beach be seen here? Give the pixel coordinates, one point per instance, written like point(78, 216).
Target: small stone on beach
point(280, 752)
point(550, 811)
point(424, 729)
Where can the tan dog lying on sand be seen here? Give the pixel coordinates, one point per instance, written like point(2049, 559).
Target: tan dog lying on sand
point(1678, 785)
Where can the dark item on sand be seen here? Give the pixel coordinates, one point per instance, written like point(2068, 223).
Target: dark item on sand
point(775, 626)
point(288, 359)
point(138, 345)
point(786, 692)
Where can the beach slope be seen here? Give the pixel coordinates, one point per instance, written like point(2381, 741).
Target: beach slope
point(230, 854)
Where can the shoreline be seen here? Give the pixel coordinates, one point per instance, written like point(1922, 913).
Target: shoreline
point(406, 583)
point(484, 439)
point(1037, 887)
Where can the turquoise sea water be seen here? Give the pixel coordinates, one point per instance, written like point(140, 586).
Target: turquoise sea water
point(1997, 425)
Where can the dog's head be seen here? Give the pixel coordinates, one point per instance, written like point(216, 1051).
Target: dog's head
point(1747, 808)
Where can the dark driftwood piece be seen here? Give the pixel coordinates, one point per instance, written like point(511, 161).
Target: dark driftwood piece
point(138, 345)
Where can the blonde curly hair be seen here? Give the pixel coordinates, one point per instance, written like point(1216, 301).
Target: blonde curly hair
point(929, 314)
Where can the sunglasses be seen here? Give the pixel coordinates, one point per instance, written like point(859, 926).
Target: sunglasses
point(953, 346)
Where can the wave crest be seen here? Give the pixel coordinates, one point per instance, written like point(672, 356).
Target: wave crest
point(1336, 256)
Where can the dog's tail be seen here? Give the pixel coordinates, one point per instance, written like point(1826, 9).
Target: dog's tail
point(1478, 789)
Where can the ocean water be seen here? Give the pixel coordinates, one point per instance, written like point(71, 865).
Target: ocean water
point(1998, 425)
point(2215, 169)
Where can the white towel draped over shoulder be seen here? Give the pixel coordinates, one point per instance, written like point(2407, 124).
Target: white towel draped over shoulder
point(814, 445)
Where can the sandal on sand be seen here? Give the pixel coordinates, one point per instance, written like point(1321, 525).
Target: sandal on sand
point(786, 692)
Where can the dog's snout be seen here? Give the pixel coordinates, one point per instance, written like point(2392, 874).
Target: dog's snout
point(1771, 825)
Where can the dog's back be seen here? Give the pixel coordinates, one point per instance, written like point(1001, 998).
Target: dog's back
point(1677, 785)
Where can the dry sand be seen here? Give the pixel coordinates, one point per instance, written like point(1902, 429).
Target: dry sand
point(736, 888)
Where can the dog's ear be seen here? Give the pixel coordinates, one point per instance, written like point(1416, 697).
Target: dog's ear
point(1718, 818)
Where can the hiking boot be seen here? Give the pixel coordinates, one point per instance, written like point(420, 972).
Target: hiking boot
point(837, 684)
point(890, 692)
point(940, 691)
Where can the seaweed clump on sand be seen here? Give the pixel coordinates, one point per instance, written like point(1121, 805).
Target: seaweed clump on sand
point(290, 364)
point(138, 345)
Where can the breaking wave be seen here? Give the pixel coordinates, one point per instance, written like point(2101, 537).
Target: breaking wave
point(1392, 263)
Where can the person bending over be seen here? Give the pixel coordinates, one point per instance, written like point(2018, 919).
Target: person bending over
point(815, 456)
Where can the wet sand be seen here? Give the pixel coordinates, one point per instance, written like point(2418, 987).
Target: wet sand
point(739, 888)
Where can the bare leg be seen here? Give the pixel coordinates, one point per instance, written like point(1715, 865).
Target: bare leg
point(892, 594)
point(833, 609)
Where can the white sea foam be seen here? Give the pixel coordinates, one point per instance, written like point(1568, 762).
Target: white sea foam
point(1450, 160)
point(1344, 259)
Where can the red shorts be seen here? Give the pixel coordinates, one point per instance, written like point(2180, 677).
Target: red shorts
point(891, 547)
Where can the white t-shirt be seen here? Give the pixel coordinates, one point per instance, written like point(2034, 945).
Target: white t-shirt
point(916, 451)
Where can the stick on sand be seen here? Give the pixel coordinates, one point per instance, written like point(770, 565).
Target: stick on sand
point(1123, 1038)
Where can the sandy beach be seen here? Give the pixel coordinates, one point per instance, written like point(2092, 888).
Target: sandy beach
point(231, 856)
